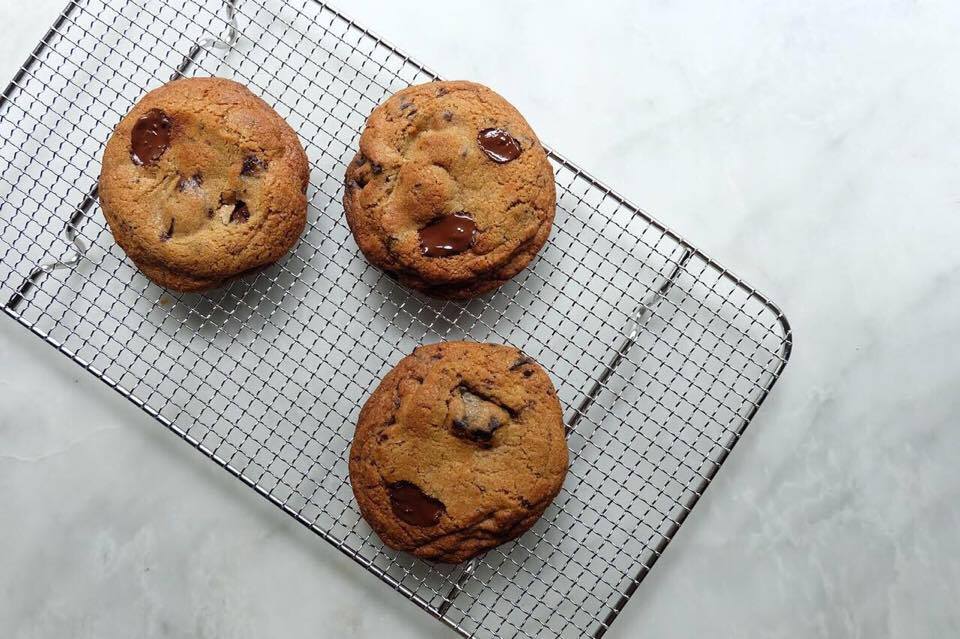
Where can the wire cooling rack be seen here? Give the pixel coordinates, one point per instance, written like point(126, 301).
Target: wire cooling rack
point(660, 355)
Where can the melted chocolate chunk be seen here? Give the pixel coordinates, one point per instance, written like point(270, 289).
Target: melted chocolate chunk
point(252, 165)
point(150, 137)
point(240, 212)
point(476, 418)
point(192, 182)
point(414, 506)
point(500, 146)
point(448, 115)
point(442, 91)
point(450, 235)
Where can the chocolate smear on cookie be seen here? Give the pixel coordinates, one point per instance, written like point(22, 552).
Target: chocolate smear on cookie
point(414, 506)
point(150, 137)
point(450, 235)
point(500, 146)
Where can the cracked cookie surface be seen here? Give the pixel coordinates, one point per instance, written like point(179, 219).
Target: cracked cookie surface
point(451, 192)
point(460, 448)
point(203, 182)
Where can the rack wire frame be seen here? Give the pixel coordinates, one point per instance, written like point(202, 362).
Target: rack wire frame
point(660, 355)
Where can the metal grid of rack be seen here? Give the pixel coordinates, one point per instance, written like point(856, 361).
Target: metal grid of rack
point(661, 356)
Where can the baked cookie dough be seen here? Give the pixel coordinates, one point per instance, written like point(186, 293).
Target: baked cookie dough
point(451, 193)
point(462, 447)
point(203, 182)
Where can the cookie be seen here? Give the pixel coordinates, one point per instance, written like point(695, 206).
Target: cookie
point(203, 182)
point(451, 193)
point(461, 448)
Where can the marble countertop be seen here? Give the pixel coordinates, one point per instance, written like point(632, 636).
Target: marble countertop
point(811, 147)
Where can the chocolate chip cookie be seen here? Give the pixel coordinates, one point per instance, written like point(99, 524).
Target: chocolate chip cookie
point(460, 448)
point(203, 182)
point(450, 192)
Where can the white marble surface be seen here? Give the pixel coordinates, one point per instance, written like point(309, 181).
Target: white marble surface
point(813, 147)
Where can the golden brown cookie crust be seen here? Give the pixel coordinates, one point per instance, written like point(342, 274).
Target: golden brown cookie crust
point(226, 197)
point(419, 159)
point(476, 427)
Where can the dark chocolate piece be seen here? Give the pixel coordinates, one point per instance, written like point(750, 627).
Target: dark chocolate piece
point(522, 361)
point(476, 418)
point(450, 235)
point(150, 137)
point(240, 212)
point(500, 146)
point(414, 506)
point(252, 165)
